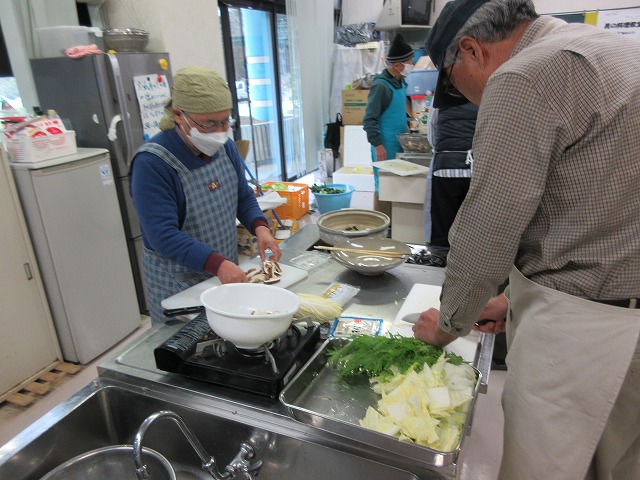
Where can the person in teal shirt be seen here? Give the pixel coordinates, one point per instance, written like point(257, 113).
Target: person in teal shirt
point(386, 113)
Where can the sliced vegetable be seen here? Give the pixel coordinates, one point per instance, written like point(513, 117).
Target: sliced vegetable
point(320, 309)
point(425, 392)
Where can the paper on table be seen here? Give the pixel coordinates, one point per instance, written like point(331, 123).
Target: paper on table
point(401, 167)
point(421, 298)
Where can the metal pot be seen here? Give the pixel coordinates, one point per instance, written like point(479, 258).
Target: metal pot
point(348, 223)
point(111, 462)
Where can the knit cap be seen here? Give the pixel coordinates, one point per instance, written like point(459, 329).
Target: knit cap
point(399, 51)
point(196, 89)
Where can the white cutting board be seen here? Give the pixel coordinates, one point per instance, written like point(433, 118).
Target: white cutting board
point(191, 296)
point(421, 298)
point(401, 167)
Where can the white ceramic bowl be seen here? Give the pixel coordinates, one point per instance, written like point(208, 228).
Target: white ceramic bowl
point(249, 314)
point(368, 263)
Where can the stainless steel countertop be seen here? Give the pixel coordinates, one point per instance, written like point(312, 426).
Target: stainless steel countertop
point(379, 297)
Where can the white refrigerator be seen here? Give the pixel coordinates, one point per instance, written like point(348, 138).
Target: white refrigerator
point(72, 211)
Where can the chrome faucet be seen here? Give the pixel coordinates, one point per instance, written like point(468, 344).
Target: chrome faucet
point(240, 464)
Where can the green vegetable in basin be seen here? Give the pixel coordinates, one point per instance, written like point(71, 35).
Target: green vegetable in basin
point(323, 189)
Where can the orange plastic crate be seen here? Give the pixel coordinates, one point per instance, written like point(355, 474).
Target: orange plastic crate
point(297, 197)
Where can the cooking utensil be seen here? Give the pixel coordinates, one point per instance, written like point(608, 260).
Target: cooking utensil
point(174, 312)
point(479, 323)
point(364, 251)
point(350, 223)
point(411, 317)
point(111, 462)
point(249, 314)
point(356, 254)
point(125, 39)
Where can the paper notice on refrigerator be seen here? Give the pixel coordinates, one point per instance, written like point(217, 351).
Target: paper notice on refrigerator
point(152, 92)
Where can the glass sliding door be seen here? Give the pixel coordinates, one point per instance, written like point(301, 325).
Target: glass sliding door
point(258, 70)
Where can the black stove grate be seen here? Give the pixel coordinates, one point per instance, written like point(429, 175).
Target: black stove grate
point(228, 366)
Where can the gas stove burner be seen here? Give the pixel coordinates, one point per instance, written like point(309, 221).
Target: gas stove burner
point(261, 350)
point(196, 352)
point(213, 347)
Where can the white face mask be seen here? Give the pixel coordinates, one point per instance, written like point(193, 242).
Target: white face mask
point(408, 67)
point(207, 143)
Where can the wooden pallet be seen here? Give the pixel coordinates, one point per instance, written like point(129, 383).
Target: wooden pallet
point(43, 384)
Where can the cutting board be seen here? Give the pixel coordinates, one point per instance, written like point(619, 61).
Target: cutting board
point(191, 296)
point(401, 167)
point(421, 297)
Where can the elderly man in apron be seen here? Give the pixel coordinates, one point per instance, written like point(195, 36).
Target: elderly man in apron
point(386, 113)
point(553, 203)
point(188, 187)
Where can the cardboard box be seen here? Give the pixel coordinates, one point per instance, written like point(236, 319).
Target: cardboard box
point(407, 220)
point(409, 189)
point(354, 103)
point(247, 243)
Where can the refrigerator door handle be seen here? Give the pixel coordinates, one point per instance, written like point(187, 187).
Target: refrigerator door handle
point(122, 101)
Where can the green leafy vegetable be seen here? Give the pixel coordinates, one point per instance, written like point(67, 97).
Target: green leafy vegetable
point(375, 356)
point(323, 189)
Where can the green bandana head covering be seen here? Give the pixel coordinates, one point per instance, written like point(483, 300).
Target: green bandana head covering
point(196, 90)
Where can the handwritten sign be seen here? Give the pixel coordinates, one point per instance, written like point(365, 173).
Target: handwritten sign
point(152, 92)
point(624, 21)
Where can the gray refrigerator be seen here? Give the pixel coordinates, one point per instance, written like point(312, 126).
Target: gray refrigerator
point(74, 220)
point(101, 98)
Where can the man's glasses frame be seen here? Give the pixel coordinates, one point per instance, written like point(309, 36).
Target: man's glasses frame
point(449, 88)
point(213, 124)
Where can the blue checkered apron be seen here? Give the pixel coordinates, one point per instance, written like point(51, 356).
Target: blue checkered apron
point(211, 203)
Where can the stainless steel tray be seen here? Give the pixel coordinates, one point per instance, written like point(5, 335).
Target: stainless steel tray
point(318, 396)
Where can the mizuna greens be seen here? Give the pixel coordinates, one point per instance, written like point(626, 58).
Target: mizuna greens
point(374, 356)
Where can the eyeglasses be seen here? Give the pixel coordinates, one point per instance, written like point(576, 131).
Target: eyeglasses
point(213, 124)
point(449, 88)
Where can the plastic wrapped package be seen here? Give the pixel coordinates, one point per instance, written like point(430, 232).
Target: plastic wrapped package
point(351, 35)
point(363, 82)
point(350, 63)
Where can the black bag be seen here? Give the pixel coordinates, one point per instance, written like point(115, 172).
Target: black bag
point(332, 135)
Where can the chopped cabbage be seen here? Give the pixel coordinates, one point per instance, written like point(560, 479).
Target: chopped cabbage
point(318, 308)
point(427, 408)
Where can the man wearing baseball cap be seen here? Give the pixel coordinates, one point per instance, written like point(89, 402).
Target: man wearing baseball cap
point(553, 204)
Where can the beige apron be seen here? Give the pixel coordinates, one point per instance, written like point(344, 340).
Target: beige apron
point(566, 364)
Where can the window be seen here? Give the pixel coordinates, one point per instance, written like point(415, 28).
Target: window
point(255, 38)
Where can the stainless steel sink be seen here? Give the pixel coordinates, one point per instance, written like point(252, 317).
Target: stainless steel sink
point(100, 416)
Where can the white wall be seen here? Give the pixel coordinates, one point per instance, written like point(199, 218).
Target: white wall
point(566, 6)
point(559, 6)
